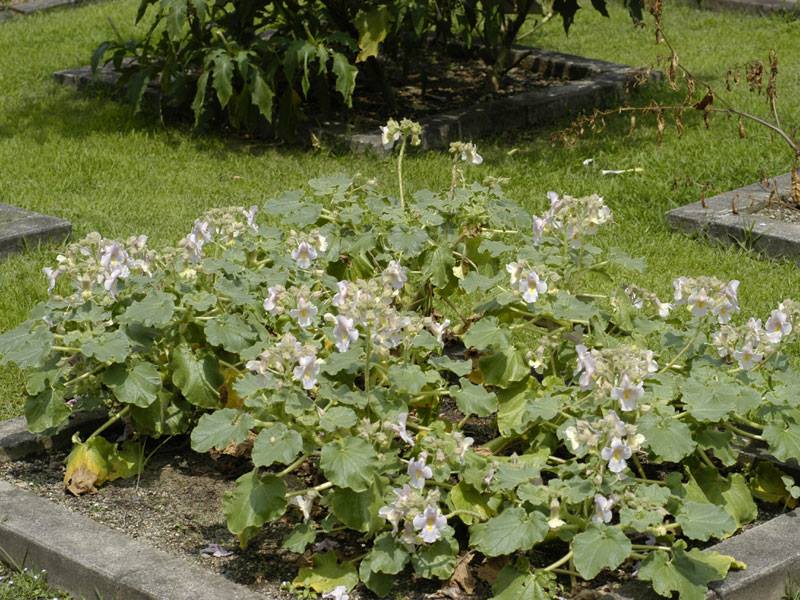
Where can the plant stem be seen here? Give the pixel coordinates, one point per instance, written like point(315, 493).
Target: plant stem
point(463, 512)
point(683, 351)
point(84, 376)
point(317, 488)
point(639, 468)
point(292, 466)
point(367, 358)
point(400, 173)
point(110, 422)
point(646, 547)
point(564, 559)
point(742, 432)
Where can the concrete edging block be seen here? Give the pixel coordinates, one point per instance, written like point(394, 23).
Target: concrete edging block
point(90, 560)
point(17, 442)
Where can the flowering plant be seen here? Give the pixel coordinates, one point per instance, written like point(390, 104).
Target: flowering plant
point(603, 431)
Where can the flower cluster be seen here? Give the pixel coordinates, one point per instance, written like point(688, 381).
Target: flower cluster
point(641, 298)
point(220, 225)
point(296, 301)
point(96, 263)
point(466, 152)
point(707, 296)
point(394, 131)
point(614, 440)
point(571, 218)
point(289, 357)
point(306, 247)
point(618, 372)
point(750, 343)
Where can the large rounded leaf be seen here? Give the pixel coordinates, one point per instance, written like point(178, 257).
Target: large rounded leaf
point(350, 463)
point(255, 500)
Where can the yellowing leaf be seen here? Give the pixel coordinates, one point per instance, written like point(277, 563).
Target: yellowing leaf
point(372, 26)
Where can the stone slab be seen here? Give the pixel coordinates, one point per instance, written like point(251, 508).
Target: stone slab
point(20, 228)
point(34, 6)
point(586, 84)
point(90, 560)
point(732, 217)
point(758, 7)
point(17, 442)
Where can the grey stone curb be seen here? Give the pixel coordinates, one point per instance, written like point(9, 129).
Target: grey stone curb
point(92, 561)
point(588, 84)
point(718, 219)
point(21, 228)
point(34, 6)
point(17, 442)
point(771, 552)
point(757, 7)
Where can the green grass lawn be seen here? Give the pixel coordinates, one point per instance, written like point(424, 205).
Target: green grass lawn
point(88, 160)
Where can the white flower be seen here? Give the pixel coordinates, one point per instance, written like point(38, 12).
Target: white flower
point(341, 297)
point(438, 329)
point(531, 286)
point(394, 275)
point(627, 393)
point(463, 443)
point(305, 504)
point(616, 454)
point(418, 471)
point(250, 217)
point(539, 224)
point(390, 134)
point(515, 271)
point(678, 285)
point(724, 311)
point(395, 512)
point(571, 433)
point(663, 308)
point(321, 242)
point(747, 357)
point(271, 301)
point(400, 429)
point(337, 593)
point(52, 275)
point(602, 509)
point(586, 367)
point(469, 153)
point(391, 513)
point(555, 521)
point(731, 291)
point(700, 303)
point(304, 255)
point(307, 370)
point(344, 331)
point(305, 313)
point(430, 524)
point(777, 326)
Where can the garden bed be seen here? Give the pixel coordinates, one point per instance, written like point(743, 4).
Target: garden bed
point(756, 216)
point(545, 86)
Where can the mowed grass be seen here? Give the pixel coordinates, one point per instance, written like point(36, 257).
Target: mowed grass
point(89, 160)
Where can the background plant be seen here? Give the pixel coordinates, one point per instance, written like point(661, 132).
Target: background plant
point(255, 62)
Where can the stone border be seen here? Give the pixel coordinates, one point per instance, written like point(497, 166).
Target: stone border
point(20, 228)
point(34, 6)
point(16, 442)
point(93, 561)
point(589, 84)
point(732, 217)
point(757, 7)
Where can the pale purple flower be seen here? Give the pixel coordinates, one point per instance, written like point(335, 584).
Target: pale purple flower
point(616, 454)
point(724, 311)
point(344, 331)
point(747, 357)
point(271, 301)
point(305, 313)
point(438, 329)
point(586, 367)
point(677, 285)
point(337, 593)
point(250, 217)
point(400, 429)
point(463, 443)
point(395, 511)
point(429, 524)
point(341, 297)
point(395, 275)
point(777, 326)
point(52, 275)
point(731, 291)
point(531, 286)
point(418, 471)
point(627, 393)
point(602, 509)
point(307, 370)
point(539, 224)
point(304, 255)
point(700, 303)
point(216, 551)
point(515, 272)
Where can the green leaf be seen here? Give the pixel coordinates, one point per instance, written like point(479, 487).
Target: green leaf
point(504, 368)
point(346, 75)
point(221, 428)
point(326, 574)
point(46, 410)
point(230, 332)
point(437, 560)
point(461, 368)
point(262, 96)
point(197, 378)
point(783, 440)
point(440, 267)
point(136, 384)
point(474, 282)
point(27, 346)
point(301, 536)
point(515, 582)
point(473, 399)
point(350, 462)
point(154, 310)
point(378, 583)
point(600, 547)
point(276, 444)
point(407, 378)
point(668, 438)
point(512, 530)
point(337, 417)
point(223, 77)
point(624, 260)
point(701, 521)
point(108, 347)
point(200, 301)
point(387, 555)
point(687, 573)
point(356, 510)
point(372, 27)
point(409, 242)
point(198, 104)
point(465, 497)
point(255, 500)
point(486, 333)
